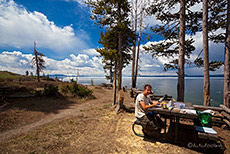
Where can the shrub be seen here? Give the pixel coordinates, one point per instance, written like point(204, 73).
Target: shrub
point(65, 89)
point(84, 91)
point(76, 89)
point(51, 90)
point(38, 93)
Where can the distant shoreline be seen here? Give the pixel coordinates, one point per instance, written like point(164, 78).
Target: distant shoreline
point(62, 75)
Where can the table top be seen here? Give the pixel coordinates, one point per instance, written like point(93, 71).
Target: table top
point(172, 112)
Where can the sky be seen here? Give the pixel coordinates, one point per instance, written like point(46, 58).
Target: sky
point(66, 35)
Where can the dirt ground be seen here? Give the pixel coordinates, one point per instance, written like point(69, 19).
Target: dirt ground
point(75, 125)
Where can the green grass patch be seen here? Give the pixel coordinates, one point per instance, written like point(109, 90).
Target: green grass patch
point(9, 75)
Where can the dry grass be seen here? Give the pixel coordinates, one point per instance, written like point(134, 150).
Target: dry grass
point(83, 126)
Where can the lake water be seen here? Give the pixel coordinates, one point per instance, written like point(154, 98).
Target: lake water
point(168, 85)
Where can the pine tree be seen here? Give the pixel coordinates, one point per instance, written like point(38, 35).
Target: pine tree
point(134, 27)
point(38, 61)
point(227, 61)
point(138, 13)
point(175, 25)
point(206, 92)
point(180, 84)
point(138, 45)
point(217, 20)
point(114, 15)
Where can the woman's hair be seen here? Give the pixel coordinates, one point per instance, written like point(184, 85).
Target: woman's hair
point(147, 85)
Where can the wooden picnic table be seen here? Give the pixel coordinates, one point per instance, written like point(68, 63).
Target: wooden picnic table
point(173, 113)
point(165, 113)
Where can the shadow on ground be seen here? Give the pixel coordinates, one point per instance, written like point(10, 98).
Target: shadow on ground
point(42, 104)
point(17, 112)
point(187, 138)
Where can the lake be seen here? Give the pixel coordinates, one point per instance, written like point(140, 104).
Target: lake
point(168, 85)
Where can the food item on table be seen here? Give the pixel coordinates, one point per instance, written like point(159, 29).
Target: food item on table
point(164, 105)
point(176, 110)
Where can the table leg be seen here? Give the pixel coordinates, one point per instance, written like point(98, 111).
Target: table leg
point(176, 128)
point(165, 122)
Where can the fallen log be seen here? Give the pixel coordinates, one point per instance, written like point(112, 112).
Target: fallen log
point(227, 122)
point(207, 108)
point(217, 120)
point(218, 115)
point(226, 115)
point(225, 108)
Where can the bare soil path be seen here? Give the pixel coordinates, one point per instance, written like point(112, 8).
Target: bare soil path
point(74, 110)
point(85, 126)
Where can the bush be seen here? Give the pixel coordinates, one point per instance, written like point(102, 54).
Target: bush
point(51, 90)
point(65, 89)
point(84, 91)
point(38, 93)
point(76, 89)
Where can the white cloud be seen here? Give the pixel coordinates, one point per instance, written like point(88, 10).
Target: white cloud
point(20, 63)
point(152, 66)
point(80, 2)
point(91, 52)
point(19, 28)
point(149, 65)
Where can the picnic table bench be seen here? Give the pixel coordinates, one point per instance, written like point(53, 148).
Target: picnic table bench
point(174, 115)
point(223, 116)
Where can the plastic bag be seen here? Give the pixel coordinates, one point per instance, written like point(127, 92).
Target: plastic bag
point(204, 119)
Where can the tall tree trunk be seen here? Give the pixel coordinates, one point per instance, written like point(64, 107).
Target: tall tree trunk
point(134, 47)
point(120, 55)
point(36, 59)
point(227, 61)
point(138, 47)
point(206, 92)
point(111, 71)
point(180, 85)
point(120, 105)
point(115, 83)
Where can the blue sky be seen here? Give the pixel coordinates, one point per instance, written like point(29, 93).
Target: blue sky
point(62, 13)
point(67, 36)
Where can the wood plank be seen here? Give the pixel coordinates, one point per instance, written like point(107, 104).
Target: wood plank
point(226, 122)
point(217, 120)
point(226, 115)
point(212, 137)
point(161, 111)
point(219, 115)
point(225, 108)
point(207, 108)
point(172, 113)
point(176, 114)
point(190, 116)
point(202, 135)
point(184, 115)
